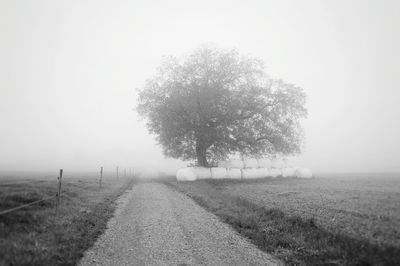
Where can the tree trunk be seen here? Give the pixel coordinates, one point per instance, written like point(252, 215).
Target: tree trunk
point(201, 154)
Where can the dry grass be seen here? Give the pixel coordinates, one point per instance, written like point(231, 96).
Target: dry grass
point(367, 208)
point(36, 236)
point(349, 221)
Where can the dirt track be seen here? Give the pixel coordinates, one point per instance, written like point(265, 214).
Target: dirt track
point(155, 225)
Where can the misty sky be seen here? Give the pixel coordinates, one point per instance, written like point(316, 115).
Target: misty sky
point(69, 69)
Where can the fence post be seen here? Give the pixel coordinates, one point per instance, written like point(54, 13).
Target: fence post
point(117, 172)
point(59, 186)
point(101, 176)
point(58, 197)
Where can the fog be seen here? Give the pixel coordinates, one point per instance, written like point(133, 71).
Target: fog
point(69, 72)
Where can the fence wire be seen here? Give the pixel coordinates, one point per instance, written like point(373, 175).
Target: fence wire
point(26, 205)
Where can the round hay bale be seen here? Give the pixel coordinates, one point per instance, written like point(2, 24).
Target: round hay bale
point(260, 173)
point(234, 173)
point(202, 172)
point(264, 172)
point(218, 173)
point(249, 173)
point(288, 172)
point(303, 173)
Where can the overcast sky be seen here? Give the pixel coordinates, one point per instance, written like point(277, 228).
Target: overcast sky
point(69, 69)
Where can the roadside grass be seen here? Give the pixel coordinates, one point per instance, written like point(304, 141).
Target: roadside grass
point(293, 239)
point(37, 236)
point(367, 207)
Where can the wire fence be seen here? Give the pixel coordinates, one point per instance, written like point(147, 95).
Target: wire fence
point(57, 196)
point(26, 205)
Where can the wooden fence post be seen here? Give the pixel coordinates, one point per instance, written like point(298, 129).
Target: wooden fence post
point(59, 186)
point(117, 172)
point(58, 197)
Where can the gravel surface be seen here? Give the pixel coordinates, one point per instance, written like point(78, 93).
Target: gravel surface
point(154, 225)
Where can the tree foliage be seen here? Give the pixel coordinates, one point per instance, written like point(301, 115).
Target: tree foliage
point(215, 103)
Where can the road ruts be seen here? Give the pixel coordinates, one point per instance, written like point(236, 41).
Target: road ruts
point(155, 225)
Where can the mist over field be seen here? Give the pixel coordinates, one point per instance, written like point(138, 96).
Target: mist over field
point(181, 132)
point(69, 71)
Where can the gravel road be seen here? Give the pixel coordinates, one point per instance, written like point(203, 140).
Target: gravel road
point(155, 225)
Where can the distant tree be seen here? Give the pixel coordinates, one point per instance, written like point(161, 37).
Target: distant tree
point(216, 103)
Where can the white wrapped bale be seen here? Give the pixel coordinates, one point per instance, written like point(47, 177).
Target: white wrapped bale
point(303, 173)
point(275, 172)
point(186, 174)
point(260, 173)
point(249, 173)
point(234, 164)
point(288, 172)
point(251, 163)
point(202, 172)
point(264, 163)
point(218, 173)
point(264, 172)
point(234, 173)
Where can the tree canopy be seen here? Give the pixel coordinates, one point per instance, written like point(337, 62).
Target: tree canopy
point(215, 103)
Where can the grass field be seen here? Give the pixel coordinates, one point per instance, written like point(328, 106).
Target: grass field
point(36, 236)
point(337, 220)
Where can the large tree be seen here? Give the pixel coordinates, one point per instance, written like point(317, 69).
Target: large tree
point(214, 103)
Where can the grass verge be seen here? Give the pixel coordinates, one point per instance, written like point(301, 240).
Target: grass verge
point(292, 239)
point(36, 236)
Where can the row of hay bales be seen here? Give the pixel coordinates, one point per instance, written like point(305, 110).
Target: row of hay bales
point(246, 169)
